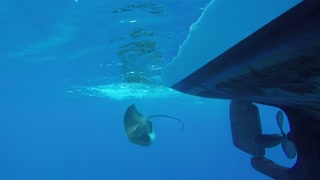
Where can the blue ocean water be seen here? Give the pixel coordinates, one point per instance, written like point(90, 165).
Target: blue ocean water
point(68, 71)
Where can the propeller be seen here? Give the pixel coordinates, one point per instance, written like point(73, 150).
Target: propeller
point(287, 145)
point(272, 140)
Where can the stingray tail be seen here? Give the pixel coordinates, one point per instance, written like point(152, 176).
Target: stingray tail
point(166, 116)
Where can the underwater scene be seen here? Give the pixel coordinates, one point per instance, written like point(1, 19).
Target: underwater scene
point(86, 90)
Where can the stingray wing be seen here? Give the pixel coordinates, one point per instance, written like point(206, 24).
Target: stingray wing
point(133, 119)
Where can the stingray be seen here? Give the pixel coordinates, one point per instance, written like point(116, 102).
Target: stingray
point(139, 128)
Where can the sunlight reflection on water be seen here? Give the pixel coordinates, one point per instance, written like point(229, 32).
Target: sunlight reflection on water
point(121, 91)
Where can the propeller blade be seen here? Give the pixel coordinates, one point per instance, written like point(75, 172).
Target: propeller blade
point(269, 140)
point(289, 149)
point(280, 118)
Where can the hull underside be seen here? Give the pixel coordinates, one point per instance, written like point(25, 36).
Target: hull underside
point(278, 65)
